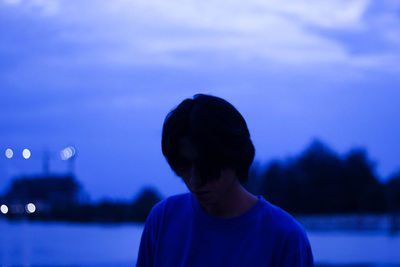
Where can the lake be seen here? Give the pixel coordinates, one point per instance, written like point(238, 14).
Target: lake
point(26, 243)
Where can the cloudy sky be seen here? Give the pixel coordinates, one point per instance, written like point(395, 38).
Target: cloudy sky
point(101, 75)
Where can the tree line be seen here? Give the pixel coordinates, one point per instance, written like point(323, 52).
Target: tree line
point(314, 182)
point(103, 212)
point(319, 181)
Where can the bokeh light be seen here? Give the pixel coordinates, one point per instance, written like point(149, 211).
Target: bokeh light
point(30, 208)
point(26, 153)
point(67, 153)
point(9, 153)
point(4, 209)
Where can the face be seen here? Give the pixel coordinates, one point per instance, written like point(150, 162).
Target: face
point(209, 192)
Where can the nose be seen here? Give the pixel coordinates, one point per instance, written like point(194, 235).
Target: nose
point(194, 178)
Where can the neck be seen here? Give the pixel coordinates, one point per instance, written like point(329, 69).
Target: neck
point(236, 201)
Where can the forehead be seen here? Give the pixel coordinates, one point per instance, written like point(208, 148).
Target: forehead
point(187, 150)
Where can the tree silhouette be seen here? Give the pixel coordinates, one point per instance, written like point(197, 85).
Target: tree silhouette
point(319, 181)
point(143, 204)
point(393, 193)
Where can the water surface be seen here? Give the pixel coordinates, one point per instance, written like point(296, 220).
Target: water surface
point(96, 245)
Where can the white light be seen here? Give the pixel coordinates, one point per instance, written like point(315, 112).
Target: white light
point(26, 153)
point(30, 208)
point(4, 209)
point(67, 153)
point(9, 153)
point(72, 150)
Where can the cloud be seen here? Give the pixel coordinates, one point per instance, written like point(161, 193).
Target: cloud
point(70, 36)
point(43, 7)
point(180, 33)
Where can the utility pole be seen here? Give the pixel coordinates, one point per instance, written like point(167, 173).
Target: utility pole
point(46, 162)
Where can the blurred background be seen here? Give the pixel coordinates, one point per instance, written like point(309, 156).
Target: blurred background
point(85, 87)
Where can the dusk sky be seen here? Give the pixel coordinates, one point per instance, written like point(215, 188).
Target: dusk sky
point(102, 75)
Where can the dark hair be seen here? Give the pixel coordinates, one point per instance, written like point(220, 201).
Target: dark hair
point(218, 132)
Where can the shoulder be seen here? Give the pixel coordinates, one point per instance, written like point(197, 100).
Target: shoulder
point(168, 206)
point(293, 237)
point(282, 222)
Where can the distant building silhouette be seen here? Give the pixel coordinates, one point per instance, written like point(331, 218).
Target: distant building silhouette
point(45, 193)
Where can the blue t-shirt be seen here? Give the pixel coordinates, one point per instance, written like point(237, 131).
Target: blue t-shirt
point(178, 232)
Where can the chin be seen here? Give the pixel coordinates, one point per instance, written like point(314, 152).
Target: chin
point(206, 200)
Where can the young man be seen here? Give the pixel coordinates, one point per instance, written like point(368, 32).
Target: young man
point(219, 223)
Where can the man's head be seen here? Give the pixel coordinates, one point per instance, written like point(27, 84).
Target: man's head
point(207, 136)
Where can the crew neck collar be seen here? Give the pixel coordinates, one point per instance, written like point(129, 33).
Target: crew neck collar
point(208, 219)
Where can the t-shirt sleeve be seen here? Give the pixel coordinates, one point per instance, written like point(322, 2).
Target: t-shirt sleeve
point(148, 240)
point(297, 252)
